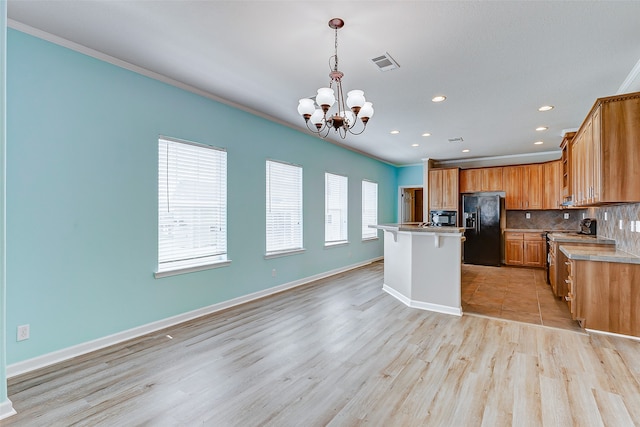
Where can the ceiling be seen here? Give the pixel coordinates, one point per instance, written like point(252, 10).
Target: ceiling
point(496, 62)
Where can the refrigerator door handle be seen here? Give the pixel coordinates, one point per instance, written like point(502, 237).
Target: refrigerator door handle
point(478, 220)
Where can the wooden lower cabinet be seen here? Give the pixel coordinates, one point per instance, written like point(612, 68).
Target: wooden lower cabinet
point(558, 263)
point(526, 249)
point(605, 296)
point(513, 248)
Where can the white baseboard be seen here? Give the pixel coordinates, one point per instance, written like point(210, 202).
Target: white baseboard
point(445, 309)
point(70, 352)
point(6, 409)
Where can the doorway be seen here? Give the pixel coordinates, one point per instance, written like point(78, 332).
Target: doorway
point(411, 204)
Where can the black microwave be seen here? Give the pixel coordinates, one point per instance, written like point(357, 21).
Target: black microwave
point(444, 218)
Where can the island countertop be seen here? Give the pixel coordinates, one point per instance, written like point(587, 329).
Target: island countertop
point(579, 238)
point(586, 253)
point(417, 227)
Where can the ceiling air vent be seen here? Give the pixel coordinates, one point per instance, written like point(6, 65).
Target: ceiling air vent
point(456, 140)
point(385, 62)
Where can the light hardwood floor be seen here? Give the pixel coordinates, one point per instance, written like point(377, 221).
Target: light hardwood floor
point(341, 352)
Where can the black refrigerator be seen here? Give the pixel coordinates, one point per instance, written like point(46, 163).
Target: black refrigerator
point(481, 221)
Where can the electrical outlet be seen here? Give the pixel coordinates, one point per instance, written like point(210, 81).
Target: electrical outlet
point(527, 215)
point(23, 333)
point(637, 226)
point(565, 215)
point(273, 273)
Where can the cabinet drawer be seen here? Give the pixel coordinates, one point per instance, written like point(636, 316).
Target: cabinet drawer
point(533, 236)
point(510, 235)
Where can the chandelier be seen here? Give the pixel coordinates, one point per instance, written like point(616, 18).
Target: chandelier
point(318, 118)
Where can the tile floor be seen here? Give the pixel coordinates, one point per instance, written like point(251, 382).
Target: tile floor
point(513, 293)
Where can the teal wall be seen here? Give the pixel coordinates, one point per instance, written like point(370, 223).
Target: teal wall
point(410, 175)
point(4, 403)
point(82, 198)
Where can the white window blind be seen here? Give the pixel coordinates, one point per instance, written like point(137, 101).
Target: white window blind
point(284, 207)
point(192, 205)
point(335, 214)
point(369, 209)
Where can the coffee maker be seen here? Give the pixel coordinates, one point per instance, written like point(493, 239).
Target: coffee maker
point(588, 226)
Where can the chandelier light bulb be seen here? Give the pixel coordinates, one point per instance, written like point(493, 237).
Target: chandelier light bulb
point(355, 100)
point(306, 108)
point(317, 118)
point(366, 112)
point(325, 98)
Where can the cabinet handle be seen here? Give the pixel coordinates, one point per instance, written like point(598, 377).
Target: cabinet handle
point(567, 298)
point(567, 263)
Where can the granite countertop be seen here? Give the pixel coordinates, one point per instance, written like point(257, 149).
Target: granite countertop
point(587, 253)
point(418, 227)
point(579, 238)
point(525, 230)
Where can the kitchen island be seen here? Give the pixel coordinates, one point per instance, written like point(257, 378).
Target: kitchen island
point(422, 266)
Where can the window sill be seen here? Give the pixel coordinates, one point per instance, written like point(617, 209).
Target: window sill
point(370, 239)
point(185, 270)
point(336, 244)
point(284, 253)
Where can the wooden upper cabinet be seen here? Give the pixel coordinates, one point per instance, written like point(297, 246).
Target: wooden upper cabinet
point(605, 163)
point(532, 186)
point(492, 179)
point(470, 180)
point(523, 187)
point(443, 189)
point(552, 195)
point(512, 180)
point(565, 168)
point(481, 179)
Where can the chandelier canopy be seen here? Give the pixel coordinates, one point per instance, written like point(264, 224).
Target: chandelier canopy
point(343, 120)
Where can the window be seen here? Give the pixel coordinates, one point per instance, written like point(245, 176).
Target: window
point(335, 209)
point(284, 207)
point(369, 209)
point(192, 206)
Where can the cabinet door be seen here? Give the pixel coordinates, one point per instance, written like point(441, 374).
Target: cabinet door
point(596, 163)
point(533, 253)
point(532, 187)
point(513, 252)
point(552, 185)
point(450, 189)
point(588, 172)
point(492, 179)
point(435, 189)
point(470, 180)
point(512, 180)
point(577, 169)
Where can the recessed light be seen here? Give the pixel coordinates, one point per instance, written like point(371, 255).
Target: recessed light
point(466, 150)
point(394, 132)
point(539, 142)
point(546, 108)
point(541, 128)
point(426, 134)
point(438, 98)
point(415, 145)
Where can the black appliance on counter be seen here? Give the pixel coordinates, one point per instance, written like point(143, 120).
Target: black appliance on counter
point(481, 221)
point(443, 218)
point(588, 226)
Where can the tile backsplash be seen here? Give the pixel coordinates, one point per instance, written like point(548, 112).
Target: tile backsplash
point(545, 220)
point(622, 225)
